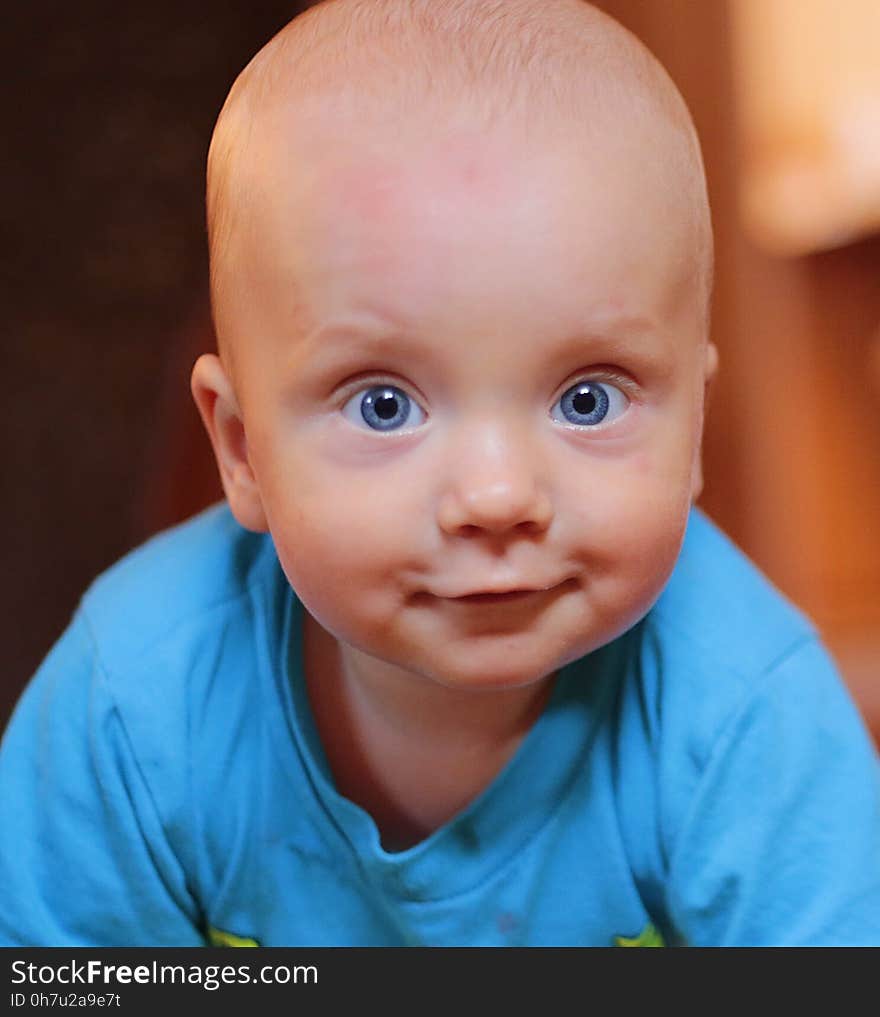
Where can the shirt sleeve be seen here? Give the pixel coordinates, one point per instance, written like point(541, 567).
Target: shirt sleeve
point(780, 844)
point(84, 858)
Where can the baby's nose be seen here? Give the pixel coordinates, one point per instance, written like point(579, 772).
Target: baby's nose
point(495, 485)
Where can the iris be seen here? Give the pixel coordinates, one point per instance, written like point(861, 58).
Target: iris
point(385, 407)
point(585, 403)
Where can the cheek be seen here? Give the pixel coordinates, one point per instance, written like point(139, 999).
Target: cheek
point(325, 541)
point(629, 520)
point(627, 550)
point(341, 547)
point(637, 495)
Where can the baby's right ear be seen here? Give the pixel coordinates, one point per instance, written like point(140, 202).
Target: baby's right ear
point(218, 406)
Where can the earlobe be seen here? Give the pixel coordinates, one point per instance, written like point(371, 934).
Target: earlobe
point(218, 407)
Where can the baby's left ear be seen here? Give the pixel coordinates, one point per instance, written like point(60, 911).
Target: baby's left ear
point(710, 370)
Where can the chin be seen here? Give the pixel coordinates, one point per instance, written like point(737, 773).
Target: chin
point(491, 683)
point(490, 671)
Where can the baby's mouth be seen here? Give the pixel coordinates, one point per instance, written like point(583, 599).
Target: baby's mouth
point(510, 597)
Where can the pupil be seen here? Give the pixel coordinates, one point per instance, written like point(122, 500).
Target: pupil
point(584, 403)
point(386, 407)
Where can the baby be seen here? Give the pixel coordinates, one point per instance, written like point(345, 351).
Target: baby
point(456, 662)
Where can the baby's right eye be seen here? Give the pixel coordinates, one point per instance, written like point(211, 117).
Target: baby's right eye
point(383, 408)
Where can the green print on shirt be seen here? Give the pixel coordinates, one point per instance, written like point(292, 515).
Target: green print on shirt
point(217, 937)
point(649, 936)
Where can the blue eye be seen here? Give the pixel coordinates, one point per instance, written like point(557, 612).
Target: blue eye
point(590, 403)
point(383, 408)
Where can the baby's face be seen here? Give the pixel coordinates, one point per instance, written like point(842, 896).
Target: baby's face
point(471, 367)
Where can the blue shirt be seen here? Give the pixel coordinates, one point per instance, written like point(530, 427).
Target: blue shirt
point(703, 779)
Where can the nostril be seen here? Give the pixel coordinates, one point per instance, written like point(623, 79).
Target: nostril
point(531, 527)
point(526, 528)
point(491, 509)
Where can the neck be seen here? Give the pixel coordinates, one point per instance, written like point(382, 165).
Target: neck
point(410, 751)
point(426, 710)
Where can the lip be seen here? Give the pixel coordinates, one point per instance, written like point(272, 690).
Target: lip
point(506, 597)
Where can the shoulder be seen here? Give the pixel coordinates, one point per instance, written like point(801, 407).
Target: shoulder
point(182, 634)
point(145, 714)
point(718, 601)
point(176, 580)
point(733, 725)
point(176, 647)
point(719, 633)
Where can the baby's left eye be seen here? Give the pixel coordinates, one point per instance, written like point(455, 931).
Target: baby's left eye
point(589, 403)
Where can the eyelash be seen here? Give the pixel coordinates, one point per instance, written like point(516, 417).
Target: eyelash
point(600, 375)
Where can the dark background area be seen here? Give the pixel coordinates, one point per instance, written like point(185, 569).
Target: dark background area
point(109, 112)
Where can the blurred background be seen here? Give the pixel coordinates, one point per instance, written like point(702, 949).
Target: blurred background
point(104, 291)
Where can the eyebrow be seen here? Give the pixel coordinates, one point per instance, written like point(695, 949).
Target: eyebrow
point(381, 338)
point(634, 338)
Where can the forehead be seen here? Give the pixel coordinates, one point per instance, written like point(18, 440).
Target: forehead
point(426, 222)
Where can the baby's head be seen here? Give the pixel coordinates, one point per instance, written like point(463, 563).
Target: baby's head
point(460, 269)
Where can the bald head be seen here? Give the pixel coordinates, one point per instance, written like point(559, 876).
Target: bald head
point(374, 66)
